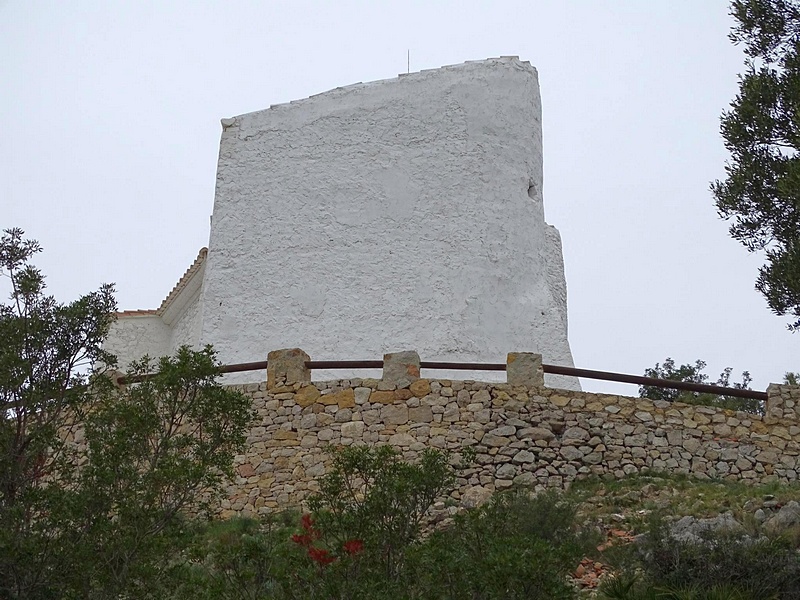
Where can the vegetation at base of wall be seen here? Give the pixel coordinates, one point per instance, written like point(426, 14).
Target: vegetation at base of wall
point(724, 565)
point(519, 545)
point(693, 373)
point(516, 546)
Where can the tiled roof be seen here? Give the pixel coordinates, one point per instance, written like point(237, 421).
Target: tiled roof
point(187, 276)
point(176, 291)
point(134, 313)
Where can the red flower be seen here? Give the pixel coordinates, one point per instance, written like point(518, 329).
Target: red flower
point(307, 522)
point(302, 540)
point(321, 556)
point(353, 546)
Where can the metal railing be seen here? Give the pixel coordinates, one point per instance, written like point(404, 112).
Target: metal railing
point(462, 366)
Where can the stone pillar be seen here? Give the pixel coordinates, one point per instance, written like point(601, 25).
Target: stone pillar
point(286, 367)
point(401, 368)
point(783, 402)
point(524, 369)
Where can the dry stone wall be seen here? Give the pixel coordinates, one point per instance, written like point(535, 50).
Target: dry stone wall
point(522, 432)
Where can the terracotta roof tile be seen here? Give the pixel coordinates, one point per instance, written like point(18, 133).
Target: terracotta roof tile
point(198, 262)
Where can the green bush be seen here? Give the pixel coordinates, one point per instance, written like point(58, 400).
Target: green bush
point(516, 546)
point(724, 564)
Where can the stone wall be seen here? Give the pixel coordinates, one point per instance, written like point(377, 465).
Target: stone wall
point(523, 433)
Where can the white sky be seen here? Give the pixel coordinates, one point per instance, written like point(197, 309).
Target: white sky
point(111, 110)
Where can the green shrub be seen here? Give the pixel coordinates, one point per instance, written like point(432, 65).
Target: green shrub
point(724, 564)
point(516, 546)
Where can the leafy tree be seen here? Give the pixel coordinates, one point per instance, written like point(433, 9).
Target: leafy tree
point(45, 349)
point(762, 132)
point(95, 479)
point(694, 374)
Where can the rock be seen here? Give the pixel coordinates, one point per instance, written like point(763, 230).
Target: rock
point(482, 396)
point(760, 515)
point(535, 434)
point(395, 414)
point(344, 399)
point(526, 479)
point(524, 456)
point(506, 430)
point(690, 529)
point(420, 388)
point(308, 421)
point(385, 397)
point(787, 516)
point(401, 440)
point(401, 368)
point(575, 433)
point(307, 395)
point(494, 441)
point(506, 471)
point(246, 470)
point(343, 415)
point(475, 497)
point(353, 429)
point(420, 414)
point(362, 394)
point(571, 453)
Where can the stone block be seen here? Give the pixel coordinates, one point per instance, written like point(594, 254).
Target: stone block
point(420, 414)
point(401, 368)
point(394, 414)
point(306, 395)
point(353, 429)
point(524, 369)
point(287, 366)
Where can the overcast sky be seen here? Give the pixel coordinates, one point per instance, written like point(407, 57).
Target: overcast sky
point(111, 126)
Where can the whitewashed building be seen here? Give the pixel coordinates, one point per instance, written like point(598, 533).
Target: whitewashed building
point(399, 214)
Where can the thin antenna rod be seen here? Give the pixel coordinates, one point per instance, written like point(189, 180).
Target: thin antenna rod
point(408, 63)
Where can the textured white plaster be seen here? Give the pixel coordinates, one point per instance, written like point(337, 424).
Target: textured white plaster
point(133, 336)
point(401, 214)
point(188, 327)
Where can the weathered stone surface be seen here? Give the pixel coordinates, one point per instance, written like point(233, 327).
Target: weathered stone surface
point(535, 434)
point(494, 441)
point(571, 453)
point(524, 369)
point(420, 388)
point(385, 397)
point(788, 516)
point(394, 414)
point(361, 395)
point(475, 497)
point(343, 399)
point(512, 435)
point(524, 456)
point(287, 366)
point(401, 368)
point(307, 395)
point(506, 471)
point(420, 414)
point(575, 433)
point(691, 529)
point(506, 430)
point(401, 440)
